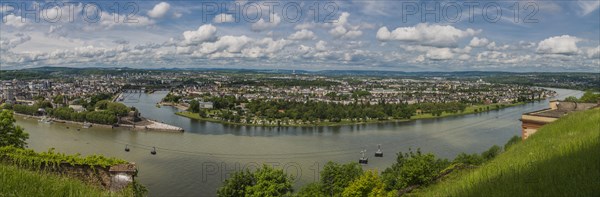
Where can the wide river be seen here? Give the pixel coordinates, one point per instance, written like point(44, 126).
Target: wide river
point(195, 163)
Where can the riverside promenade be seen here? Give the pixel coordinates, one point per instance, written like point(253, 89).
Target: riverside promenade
point(155, 125)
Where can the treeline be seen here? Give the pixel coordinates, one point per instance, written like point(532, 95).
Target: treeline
point(587, 97)
point(410, 170)
point(29, 110)
point(335, 112)
point(99, 117)
point(310, 111)
point(171, 98)
point(230, 110)
point(103, 112)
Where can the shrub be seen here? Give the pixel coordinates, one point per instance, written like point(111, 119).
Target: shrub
point(491, 153)
point(472, 159)
point(336, 177)
point(411, 169)
point(11, 134)
point(266, 181)
point(368, 184)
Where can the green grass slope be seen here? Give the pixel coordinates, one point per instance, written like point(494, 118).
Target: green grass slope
point(561, 159)
point(19, 182)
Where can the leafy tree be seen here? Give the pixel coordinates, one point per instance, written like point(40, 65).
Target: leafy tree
point(101, 117)
point(6, 106)
point(202, 113)
point(572, 99)
point(336, 177)
point(25, 109)
point(59, 99)
point(194, 106)
point(311, 190)
point(103, 104)
point(270, 182)
point(43, 104)
point(171, 98)
point(11, 134)
point(119, 109)
point(266, 181)
point(368, 184)
point(236, 184)
point(589, 97)
point(98, 97)
point(411, 169)
point(491, 153)
point(469, 159)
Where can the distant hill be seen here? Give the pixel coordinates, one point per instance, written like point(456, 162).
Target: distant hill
point(580, 81)
point(561, 159)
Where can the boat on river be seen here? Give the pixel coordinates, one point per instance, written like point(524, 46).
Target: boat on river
point(45, 120)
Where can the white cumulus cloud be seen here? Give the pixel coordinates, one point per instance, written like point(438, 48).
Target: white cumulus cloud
point(341, 28)
point(478, 42)
point(159, 10)
point(425, 34)
point(593, 52)
point(261, 24)
point(439, 54)
point(223, 18)
point(321, 45)
point(302, 35)
point(565, 45)
point(15, 21)
point(230, 44)
point(204, 33)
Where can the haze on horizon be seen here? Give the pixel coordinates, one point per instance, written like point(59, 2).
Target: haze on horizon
point(516, 36)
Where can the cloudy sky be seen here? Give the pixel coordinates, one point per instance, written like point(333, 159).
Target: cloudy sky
point(553, 36)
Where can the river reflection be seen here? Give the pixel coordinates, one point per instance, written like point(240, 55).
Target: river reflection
point(194, 163)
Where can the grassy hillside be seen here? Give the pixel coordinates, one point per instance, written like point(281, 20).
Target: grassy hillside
point(19, 182)
point(561, 159)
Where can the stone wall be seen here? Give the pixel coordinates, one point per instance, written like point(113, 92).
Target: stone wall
point(113, 178)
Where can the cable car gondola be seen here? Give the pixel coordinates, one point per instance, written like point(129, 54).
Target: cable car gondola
point(363, 159)
point(379, 153)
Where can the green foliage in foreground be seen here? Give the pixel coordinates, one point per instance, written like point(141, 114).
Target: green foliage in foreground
point(588, 97)
point(266, 181)
point(413, 169)
point(368, 184)
point(11, 134)
point(30, 159)
point(19, 182)
point(478, 159)
point(514, 140)
point(561, 159)
point(336, 177)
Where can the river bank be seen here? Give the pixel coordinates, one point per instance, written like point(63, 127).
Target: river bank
point(220, 148)
point(474, 109)
point(145, 124)
point(171, 104)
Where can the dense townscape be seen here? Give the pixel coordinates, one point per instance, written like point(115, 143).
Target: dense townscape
point(268, 99)
point(103, 98)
